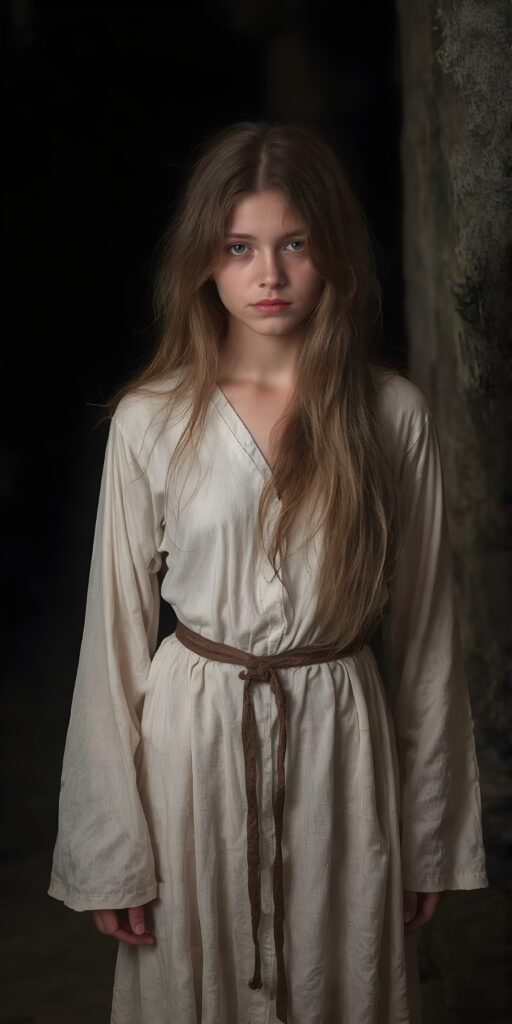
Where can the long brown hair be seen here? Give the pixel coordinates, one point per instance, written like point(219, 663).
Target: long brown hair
point(331, 444)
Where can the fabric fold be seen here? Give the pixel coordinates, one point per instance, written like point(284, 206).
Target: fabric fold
point(264, 669)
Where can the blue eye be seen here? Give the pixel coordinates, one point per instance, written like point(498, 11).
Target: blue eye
point(295, 244)
point(236, 249)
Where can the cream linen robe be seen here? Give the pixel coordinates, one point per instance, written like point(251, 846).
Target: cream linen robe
point(382, 784)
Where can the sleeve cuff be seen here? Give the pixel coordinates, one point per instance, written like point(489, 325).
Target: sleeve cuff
point(443, 882)
point(115, 900)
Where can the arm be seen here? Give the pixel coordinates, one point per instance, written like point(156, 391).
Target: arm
point(103, 856)
point(441, 834)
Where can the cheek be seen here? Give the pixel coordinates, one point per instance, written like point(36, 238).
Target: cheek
point(227, 283)
point(312, 284)
point(223, 285)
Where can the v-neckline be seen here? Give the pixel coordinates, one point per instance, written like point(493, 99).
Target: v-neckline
point(240, 430)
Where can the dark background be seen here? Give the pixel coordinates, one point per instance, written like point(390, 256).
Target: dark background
point(106, 104)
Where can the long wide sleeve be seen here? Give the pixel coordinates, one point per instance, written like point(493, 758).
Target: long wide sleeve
point(441, 832)
point(103, 857)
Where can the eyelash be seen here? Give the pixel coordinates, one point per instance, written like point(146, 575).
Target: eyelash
point(293, 241)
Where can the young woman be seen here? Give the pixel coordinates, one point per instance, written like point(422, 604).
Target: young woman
point(261, 815)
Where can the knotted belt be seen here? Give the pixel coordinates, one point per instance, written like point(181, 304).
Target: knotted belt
point(263, 668)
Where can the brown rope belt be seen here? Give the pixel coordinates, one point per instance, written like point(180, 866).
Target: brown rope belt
point(263, 668)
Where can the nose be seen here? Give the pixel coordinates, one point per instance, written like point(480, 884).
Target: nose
point(270, 270)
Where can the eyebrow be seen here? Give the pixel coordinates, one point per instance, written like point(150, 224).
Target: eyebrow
point(252, 238)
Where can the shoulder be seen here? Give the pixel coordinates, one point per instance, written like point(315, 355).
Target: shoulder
point(402, 408)
point(142, 415)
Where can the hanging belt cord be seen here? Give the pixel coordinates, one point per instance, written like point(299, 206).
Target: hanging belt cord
point(264, 669)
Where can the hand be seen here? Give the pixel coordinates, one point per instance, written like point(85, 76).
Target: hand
point(419, 907)
point(124, 925)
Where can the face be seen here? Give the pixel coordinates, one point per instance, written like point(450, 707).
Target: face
point(265, 278)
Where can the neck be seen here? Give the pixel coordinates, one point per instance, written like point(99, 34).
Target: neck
point(269, 361)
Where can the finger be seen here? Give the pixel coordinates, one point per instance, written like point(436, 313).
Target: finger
point(106, 921)
point(410, 905)
point(132, 940)
point(114, 924)
point(431, 901)
point(426, 910)
point(136, 920)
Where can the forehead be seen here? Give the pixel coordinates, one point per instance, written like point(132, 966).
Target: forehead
point(264, 212)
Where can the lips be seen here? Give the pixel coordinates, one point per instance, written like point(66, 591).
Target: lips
point(271, 305)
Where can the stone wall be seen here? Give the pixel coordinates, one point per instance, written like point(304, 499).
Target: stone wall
point(457, 233)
